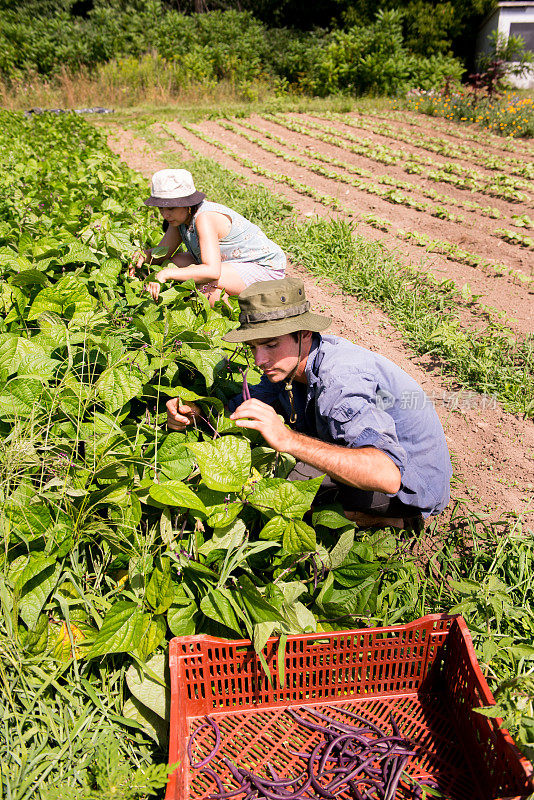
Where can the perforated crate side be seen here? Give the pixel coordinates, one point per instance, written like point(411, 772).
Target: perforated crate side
point(219, 674)
point(505, 772)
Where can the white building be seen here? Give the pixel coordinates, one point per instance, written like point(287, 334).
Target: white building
point(510, 18)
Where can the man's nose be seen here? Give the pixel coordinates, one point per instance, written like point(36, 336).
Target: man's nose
point(260, 356)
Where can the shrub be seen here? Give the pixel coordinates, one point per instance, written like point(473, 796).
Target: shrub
point(374, 59)
point(227, 45)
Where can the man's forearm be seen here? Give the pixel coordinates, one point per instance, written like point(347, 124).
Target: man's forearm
point(365, 468)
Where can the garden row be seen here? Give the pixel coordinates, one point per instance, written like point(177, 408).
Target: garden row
point(395, 194)
point(117, 534)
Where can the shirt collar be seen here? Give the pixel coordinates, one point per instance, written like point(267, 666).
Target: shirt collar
point(311, 377)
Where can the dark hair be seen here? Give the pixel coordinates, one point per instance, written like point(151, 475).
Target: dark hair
point(194, 210)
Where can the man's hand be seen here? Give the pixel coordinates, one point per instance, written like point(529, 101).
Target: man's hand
point(180, 415)
point(263, 418)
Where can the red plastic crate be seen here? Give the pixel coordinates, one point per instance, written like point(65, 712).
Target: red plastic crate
point(426, 672)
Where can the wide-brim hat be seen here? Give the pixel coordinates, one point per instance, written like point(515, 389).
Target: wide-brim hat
point(274, 308)
point(173, 188)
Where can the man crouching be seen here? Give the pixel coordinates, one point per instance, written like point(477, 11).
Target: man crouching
point(353, 415)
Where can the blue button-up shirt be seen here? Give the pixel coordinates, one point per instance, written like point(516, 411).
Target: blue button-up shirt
point(356, 398)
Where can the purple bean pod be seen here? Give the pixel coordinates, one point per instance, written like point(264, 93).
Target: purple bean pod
point(355, 716)
point(395, 727)
point(392, 788)
point(246, 390)
point(212, 774)
point(345, 725)
point(355, 791)
point(209, 722)
point(330, 746)
point(352, 774)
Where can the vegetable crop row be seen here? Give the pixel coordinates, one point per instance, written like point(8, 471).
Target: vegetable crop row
point(454, 131)
point(513, 237)
point(453, 252)
point(393, 195)
point(387, 180)
point(514, 166)
point(501, 185)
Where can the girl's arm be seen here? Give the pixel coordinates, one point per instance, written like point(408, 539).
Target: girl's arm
point(211, 227)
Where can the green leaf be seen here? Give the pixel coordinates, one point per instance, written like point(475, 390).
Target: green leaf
point(67, 292)
point(257, 606)
point(261, 632)
point(353, 572)
point(274, 529)
point(8, 349)
point(222, 508)
point(174, 458)
point(155, 628)
point(330, 518)
point(160, 591)
point(22, 397)
point(151, 723)
point(78, 253)
point(122, 630)
point(224, 463)
point(287, 498)
point(300, 619)
point(154, 694)
point(205, 361)
point(35, 640)
point(217, 607)
point(299, 537)
point(180, 615)
point(491, 711)
point(28, 277)
point(22, 354)
point(118, 242)
point(176, 494)
point(465, 586)
point(117, 385)
point(226, 538)
point(33, 585)
point(341, 549)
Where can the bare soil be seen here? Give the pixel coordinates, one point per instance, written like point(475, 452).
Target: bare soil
point(492, 450)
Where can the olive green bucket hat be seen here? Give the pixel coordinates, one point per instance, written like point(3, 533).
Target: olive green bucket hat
point(274, 308)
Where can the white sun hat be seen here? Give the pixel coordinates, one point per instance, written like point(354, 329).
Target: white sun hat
point(174, 187)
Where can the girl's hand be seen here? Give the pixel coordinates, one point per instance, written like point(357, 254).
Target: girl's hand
point(154, 288)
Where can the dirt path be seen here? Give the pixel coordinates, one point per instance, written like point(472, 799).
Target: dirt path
point(492, 450)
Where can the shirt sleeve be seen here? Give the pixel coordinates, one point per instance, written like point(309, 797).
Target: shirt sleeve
point(265, 391)
point(353, 419)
